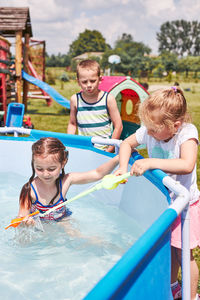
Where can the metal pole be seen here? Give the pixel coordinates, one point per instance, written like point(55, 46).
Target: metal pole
point(182, 206)
point(185, 236)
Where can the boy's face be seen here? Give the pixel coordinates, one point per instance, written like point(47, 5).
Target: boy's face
point(88, 81)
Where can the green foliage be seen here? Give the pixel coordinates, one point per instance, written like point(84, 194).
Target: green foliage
point(132, 55)
point(88, 41)
point(169, 61)
point(61, 60)
point(158, 71)
point(50, 79)
point(180, 37)
point(127, 44)
point(64, 77)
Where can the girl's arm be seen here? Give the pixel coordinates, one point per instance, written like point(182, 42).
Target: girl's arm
point(24, 211)
point(183, 165)
point(126, 148)
point(93, 175)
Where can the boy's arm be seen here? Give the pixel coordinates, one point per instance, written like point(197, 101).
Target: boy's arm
point(71, 129)
point(94, 175)
point(115, 118)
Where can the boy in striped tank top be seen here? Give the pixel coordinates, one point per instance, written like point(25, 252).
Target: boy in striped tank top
point(93, 111)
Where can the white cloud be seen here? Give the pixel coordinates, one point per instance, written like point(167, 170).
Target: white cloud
point(155, 7)
point(59, 22)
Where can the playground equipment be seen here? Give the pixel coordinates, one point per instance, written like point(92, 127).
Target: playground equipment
point(10, 16)
point(6, 77)
point(15, 22)
point(128, 93)
point(47, 89)
point(143, 272)
point(29, 51)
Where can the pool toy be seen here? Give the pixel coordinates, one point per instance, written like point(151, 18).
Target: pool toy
point(17, 221)
point(109, 182)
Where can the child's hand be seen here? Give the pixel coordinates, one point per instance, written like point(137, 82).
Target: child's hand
point(28, 221)
point(110, 149)
point(119, 172)
point(140, 166)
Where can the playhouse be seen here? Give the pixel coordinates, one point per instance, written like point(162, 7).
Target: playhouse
point(128, 93)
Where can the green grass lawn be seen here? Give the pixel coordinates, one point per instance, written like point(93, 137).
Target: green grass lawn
point(55, 117)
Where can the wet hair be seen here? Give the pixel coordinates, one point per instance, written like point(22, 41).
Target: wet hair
point(44, 147)
point(170, 104)
point(90, 65)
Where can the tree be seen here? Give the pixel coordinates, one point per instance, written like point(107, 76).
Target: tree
point(126, 43)
point(88, 41)
point(188, 64)
point(132, 55)
point(61, 60)
point(180, 37)
point(169, 61)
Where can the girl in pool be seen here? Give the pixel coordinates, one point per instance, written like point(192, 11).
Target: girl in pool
point(50, 185)
point(172, 144)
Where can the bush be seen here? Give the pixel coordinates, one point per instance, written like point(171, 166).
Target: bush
point(64, 77)
point(50, 79)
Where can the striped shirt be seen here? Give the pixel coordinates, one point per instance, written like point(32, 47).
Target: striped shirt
point(93, 118)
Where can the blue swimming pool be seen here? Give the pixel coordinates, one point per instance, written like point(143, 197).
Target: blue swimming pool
point(132, 222)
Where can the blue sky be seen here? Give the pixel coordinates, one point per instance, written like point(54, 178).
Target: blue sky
point(59, 22)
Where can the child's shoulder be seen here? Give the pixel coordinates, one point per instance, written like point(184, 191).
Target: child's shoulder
point(188, 127)
point(188, 131)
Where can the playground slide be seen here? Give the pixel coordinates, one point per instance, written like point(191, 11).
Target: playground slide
point(34, 74)
point(48, 89)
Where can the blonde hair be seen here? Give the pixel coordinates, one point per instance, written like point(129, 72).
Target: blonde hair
point(170, 104)
point(88, 64)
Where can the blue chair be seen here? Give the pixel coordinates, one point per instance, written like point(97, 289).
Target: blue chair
point(15, 115)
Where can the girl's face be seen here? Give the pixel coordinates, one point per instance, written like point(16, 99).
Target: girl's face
point(159, 130)
point(160, 134)
point(47, 168)
point(88, 81)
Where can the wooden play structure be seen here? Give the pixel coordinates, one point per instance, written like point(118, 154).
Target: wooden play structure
point(4, 73)
point(15, 23)
point(128, 93)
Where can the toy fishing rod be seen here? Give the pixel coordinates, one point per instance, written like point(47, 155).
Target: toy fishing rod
point(109, 182)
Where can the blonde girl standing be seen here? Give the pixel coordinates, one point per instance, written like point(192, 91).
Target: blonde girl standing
point(172, 144)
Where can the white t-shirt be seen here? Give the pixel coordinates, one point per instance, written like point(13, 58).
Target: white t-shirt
point(171, 149)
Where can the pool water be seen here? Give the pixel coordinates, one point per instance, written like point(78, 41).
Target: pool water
point(49, 263)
